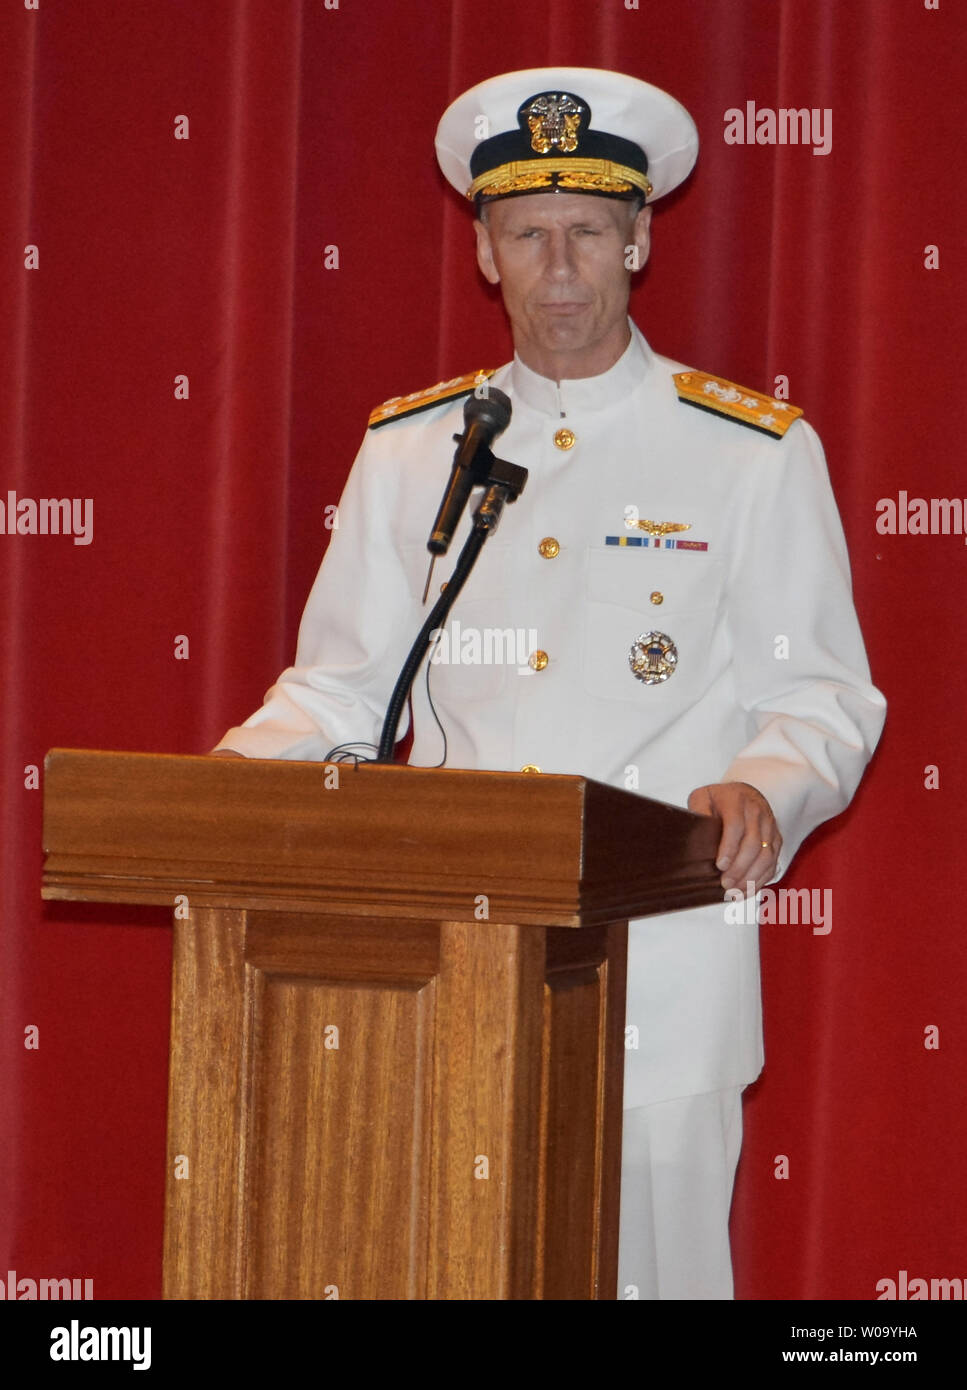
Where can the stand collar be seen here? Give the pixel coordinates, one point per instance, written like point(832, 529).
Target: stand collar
point(580, 394)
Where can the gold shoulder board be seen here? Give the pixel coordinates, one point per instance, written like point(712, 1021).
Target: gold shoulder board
point(722, 397)
point(423, 400)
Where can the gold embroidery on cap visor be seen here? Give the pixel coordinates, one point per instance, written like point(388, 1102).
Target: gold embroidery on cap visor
point(585, 175)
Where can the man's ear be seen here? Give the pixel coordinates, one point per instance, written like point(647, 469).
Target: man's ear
point(641, 234)
point(485, 253)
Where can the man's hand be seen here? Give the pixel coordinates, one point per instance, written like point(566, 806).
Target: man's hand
point(750, 843)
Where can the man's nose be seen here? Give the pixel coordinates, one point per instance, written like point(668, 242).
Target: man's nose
point(560, 256)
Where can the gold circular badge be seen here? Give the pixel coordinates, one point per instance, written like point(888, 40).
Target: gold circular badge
point(653, 657)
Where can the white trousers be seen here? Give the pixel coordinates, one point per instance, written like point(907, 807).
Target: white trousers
point(678, 1162)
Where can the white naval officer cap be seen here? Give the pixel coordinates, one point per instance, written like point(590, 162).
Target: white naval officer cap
point(577, 130)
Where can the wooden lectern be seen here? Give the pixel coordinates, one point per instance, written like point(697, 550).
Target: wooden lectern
point(397, 1012)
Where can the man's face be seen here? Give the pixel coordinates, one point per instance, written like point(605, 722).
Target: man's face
point(562, 262)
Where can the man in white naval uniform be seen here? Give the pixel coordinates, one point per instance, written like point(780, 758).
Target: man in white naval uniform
point(677, 567)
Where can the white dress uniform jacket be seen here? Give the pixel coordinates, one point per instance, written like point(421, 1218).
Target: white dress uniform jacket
point(798, 719)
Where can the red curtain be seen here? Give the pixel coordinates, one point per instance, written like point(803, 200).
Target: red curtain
point(214, 258)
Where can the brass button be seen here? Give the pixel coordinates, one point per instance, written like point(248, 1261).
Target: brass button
point(565, 439)
point(549, 548)
point(530, 767)
point(538, 660)
point(658, 597)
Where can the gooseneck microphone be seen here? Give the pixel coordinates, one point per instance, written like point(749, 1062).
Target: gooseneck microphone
point(484, 417)
point(474, 465)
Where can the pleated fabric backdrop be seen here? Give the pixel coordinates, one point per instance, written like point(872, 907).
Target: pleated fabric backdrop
point(243, 194)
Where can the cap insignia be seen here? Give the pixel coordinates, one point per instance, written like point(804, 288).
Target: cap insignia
point(554, 120)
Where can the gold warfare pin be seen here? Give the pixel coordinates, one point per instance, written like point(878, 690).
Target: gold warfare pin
point(663, 528)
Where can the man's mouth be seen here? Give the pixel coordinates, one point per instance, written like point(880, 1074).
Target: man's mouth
point(564, 306)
